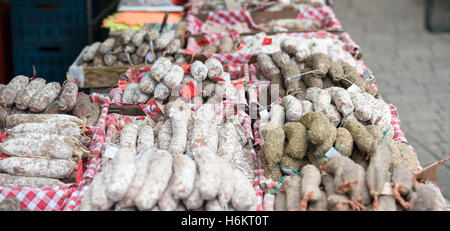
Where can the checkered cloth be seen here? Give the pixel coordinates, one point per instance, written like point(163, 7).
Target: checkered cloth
point(324, 15)
point(395, 121)
point(98, 137)
point(194, 7)
point(226, 18)
point(257, 185)
point(65, 197)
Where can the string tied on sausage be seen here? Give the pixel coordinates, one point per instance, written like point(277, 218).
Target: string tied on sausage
point(399, 198)
point(305, 199)
point(305, 73)
point(294, 170)
point(278, 185)
point(384, 139)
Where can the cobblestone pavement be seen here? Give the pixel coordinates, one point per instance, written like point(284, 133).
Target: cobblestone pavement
point(412, 67)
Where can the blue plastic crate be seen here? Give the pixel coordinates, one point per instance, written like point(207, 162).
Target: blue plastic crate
point(51, 60)
point(48, 20)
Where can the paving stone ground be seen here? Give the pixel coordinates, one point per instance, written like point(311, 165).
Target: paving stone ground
point(412, 67)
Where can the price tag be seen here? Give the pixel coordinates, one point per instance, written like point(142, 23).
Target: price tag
point(267, 41)
point(332, 153)
point(111, 151)
point(387, 189)
point(354, 88)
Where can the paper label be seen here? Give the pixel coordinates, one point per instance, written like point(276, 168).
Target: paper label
point(429, 173)
point(387, 189)
point(354, 88)
point(332, 153)
point(111, 151)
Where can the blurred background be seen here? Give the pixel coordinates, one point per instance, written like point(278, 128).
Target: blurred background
point(406, 44)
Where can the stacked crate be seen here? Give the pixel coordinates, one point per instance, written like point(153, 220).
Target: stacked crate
point(47, 34)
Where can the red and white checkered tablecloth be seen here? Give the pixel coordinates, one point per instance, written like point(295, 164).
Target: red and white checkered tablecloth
point(195, 46)
point(64, 197)
point(226, 18)
point(324, 15)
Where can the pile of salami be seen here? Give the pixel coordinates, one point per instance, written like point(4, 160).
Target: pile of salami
point(43, 150)
point(135, 47)
point(188, 161)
